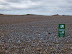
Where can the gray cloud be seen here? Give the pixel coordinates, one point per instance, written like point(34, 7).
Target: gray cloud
point(36, 6)
point(36, 0)
point(14, 1)
point(69, 1)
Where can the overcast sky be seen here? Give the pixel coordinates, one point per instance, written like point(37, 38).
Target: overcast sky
point(41, 7)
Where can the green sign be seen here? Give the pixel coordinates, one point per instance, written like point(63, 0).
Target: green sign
point(61, 30)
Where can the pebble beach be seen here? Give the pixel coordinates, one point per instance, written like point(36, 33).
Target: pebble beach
point(35, 35)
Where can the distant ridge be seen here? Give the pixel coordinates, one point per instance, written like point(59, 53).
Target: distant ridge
point(56, 15)
point(32, 15)
point(1, 14)
point(29, 14)
point(61, 15)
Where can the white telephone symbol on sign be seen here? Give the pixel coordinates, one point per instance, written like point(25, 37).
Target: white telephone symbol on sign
point(62, 26)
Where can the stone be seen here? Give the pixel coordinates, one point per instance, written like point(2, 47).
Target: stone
point(53, 52)
point(51, 48)
point(15, 53)
point(38, 34)
point(67, 41)
point(6, 51)
point(17, 50)
point(24, 50)
point(19, 41)
point(70, 47)
point(65, 48)
point(49, 33)
point(40, 52)
point(38, 49)
point(0, 41)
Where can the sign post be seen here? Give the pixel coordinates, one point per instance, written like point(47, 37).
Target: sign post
point(61, 30)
